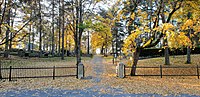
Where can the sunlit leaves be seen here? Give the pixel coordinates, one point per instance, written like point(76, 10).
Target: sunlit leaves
point(133, 16)
point(179, 40)
point(97, 40)
point(147, 43)
point(129, 43)
point(167, 27)
point(188, 24)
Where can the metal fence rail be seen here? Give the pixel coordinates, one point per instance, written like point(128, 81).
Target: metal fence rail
point(37, 72)
point(165, 71)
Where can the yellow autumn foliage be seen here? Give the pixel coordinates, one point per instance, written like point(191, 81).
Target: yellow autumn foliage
point(167, 27)
point(97, 40)
point(133, 16)
point(129, 42)
point(188, 23)
point(178, 40)
point(147, 43)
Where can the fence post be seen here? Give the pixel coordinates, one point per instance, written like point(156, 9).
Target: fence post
point(198, 71)
point(81, 72)
point(121, 70)
point(124, 70)
point(161, 71)
point(10, 75)
point(0, 70)
point(53, 72)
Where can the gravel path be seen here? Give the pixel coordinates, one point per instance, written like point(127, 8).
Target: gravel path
point(102, 84)
point(98, 68)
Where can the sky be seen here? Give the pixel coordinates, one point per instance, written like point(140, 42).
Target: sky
point(107, 4)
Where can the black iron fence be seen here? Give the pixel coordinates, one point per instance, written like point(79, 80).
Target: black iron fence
point(12, 73)
point(164, 71)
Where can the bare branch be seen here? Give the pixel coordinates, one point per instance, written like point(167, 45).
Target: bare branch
point(15, 34)
point(174, 10)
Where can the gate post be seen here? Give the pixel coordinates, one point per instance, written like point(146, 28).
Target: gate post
point(80, 72)
point(121, 70)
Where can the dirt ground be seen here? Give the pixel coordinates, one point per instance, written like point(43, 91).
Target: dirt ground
point(156, 85)
point(100, 76)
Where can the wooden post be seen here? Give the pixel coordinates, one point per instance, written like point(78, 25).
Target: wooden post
point(54, 72)
point(160, 71)
point(10, 73)
point(198, 71)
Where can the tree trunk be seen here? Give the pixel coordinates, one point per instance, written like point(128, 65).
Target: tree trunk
point(188, 50)
point(63, 29)
point(53, 44)
point(29, 38)
point(79, 52)
point(136, 55)
point(80, 33)
point(77, 31)
point(59, 29)
point(166, 51)
point(33, 38)
point(113, 51)
point(167, 60)
point(35, 26)
point(88, 48)
point(188, 55)
point(6, 53)
point(106, 48)
point(47, 46)
point(44, 46)
point(102, 50)
point(40, 30)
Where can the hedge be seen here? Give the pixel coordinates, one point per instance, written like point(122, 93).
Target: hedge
point(160, 52)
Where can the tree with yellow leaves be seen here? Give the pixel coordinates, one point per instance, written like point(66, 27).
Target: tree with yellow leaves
point(188, 18)
point(102, 35)
point(148, 24)
point(101, 38)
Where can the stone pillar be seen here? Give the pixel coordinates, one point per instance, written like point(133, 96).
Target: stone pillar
point(121, 70)
point(80, 72)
